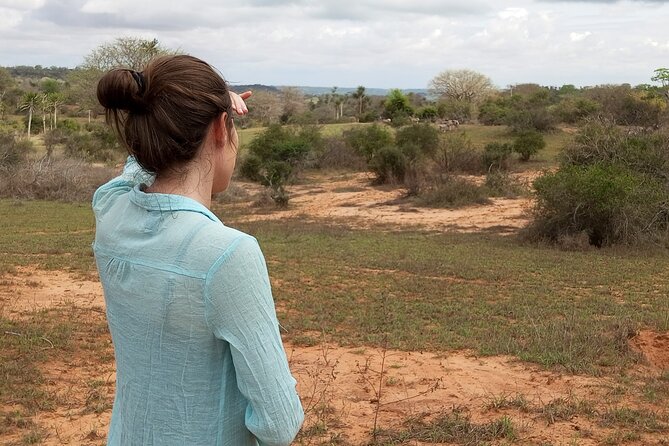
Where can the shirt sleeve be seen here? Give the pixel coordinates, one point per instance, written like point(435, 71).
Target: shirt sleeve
point(240, 310)
point(133, 174)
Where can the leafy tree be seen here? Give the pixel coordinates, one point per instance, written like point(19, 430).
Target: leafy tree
point(6, 83)
point(527, 144)
point(662, 76)
point(49, 86)
point(462, 85)
point(397, 105)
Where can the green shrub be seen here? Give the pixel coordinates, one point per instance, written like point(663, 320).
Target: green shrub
point(424, 137)
point(68, 125)
point(493, 112)
point(368, 140)
point(528, 143)
point(610, 186)
point(389, 164)
point(275, 155)
point(455, 109)
point(611, 203)
point(496, 156)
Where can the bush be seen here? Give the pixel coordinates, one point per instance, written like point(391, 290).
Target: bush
point(13, 150)
point(337, 154)
point(368, 140)
point(610, 203)
point(610, 186)
point(96, 143)
point(455, 109)
point(453, 192)
point(528, 143)
point(275, 155)
point(49, 179)
point(501, 184)
point(389, 164)
point(424, 137)
point(493, 112)
point(496, 156)
point(456, 153)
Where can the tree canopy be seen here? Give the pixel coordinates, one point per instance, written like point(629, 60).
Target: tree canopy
point(124, 52)
point(463, 85)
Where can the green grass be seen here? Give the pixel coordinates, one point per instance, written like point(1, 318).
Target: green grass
point(422, 291)
point(451, 428)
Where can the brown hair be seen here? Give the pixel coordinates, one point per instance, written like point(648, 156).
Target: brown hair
point(162, 114)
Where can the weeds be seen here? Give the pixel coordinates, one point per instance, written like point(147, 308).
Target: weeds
point(454, 427)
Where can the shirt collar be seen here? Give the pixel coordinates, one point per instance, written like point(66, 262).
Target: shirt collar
point(169, 203)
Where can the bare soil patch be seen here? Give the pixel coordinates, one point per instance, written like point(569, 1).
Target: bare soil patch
point(352, 200)
point(654, 347)
point(339, 386)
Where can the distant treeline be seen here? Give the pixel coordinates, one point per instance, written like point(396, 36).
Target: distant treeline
point(38, 72)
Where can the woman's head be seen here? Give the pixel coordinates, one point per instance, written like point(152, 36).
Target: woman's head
point(164, 114)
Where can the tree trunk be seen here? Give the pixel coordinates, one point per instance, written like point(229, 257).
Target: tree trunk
point(30, 121)
point(55, 117)
point(44, 122)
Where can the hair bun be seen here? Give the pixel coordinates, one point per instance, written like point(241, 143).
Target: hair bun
point(122, 89)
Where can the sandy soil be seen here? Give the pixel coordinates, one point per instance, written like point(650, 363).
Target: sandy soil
point(352, 200)
point(339, 386)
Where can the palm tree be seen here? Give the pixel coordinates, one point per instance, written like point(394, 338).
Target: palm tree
point(360, 96)
point(55, 101)
point(29, 102)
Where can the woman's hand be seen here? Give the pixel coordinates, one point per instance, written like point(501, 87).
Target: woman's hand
point(238, 104)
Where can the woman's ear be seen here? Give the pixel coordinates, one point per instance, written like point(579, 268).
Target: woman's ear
point(220, 133)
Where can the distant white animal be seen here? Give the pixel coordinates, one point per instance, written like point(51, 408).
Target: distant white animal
point(448, 125)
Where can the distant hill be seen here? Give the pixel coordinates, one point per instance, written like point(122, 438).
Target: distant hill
point(253, 87)
point(317, 91)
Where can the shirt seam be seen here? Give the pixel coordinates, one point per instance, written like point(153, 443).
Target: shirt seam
point(215, 266)
point(180, 271)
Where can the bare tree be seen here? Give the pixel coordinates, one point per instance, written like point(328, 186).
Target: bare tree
point(462, 85)
point(265, 106)
point(125, 52)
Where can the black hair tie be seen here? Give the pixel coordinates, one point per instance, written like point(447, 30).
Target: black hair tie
point(139, 78)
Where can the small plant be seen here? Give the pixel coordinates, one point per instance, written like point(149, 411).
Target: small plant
point(528, 144)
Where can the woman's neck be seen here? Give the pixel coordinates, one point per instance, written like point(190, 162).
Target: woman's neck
point(195, 183)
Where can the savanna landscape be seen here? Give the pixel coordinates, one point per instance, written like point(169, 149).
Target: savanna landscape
point(481, 268)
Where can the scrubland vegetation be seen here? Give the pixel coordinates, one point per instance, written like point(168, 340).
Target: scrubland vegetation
point(594, 161)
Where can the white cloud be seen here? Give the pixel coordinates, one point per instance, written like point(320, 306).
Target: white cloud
point(101, 7)
point(577, 37)
point(9, 18)
point(22, 5)
point(384, 43)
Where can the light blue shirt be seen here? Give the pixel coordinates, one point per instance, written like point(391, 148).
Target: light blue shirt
point(199, 357)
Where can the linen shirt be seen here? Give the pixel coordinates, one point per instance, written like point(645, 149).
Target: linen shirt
point(198, 352)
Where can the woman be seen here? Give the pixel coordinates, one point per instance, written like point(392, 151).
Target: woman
point(198, 352)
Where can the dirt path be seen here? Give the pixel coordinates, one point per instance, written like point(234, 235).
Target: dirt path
point(339, 386)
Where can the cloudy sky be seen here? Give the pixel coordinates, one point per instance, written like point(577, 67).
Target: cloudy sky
point(376, 43)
